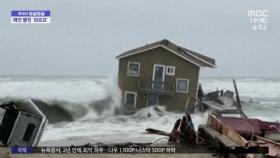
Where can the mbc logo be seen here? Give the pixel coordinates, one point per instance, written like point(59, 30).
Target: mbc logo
point(258, 13)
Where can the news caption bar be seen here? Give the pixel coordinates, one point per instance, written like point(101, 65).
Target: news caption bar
point(30, 16)
point(130, 150)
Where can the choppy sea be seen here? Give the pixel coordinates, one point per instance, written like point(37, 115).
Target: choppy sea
point(82, 109)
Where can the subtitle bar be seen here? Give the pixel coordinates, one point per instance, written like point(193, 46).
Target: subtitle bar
point(130, 150)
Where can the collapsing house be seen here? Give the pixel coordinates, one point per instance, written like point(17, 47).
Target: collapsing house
point(21, 123)
point(161, 73)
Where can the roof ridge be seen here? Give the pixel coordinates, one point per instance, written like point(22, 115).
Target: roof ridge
point(190, 52)
point(198, 58)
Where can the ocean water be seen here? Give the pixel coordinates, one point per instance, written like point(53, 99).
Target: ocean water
point(83, 109)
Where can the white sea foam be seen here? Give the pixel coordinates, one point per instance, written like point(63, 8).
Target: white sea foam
point(81, 91)
point(116, 129)
point(76, 96)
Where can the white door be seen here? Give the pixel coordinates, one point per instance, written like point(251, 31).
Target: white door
point(158, 76)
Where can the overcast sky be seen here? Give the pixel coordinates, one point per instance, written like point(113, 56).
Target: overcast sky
point(85, 36)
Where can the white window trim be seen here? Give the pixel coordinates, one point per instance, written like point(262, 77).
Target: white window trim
point(170, 74)
point(132, 62)
point(130, 92)
point(184, 79)
point(163, 75)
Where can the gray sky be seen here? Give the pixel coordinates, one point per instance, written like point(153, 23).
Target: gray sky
point(85, 36)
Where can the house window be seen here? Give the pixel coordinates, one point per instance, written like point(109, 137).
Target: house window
point(28, 132)
point(133, 69)
point(182, 85)
point(152, 100)
point(170, 70)
point(130, 98)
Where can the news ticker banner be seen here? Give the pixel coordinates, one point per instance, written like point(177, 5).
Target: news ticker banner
point(30, 16)
point(133, 150)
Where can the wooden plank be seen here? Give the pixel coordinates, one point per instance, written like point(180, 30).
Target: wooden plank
point(221, 138)
point(225, 130)
point(273, 147)
point(229, 111)
point(156, 131)
point(272, 135)
point(219, 110)
point(216, 106)
point(267, 140)
point(227, 142)
point(234, 136)
point(236, 93)
point(242, 114)
point(213, 122)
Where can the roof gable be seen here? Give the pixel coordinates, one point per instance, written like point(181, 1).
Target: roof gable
point(189, 55)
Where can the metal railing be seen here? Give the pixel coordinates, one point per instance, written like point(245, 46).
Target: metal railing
point(156, 87)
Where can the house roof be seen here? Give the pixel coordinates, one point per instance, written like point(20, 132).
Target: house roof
point(189, 55)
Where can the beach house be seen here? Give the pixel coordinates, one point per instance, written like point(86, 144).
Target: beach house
point(161, 73)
